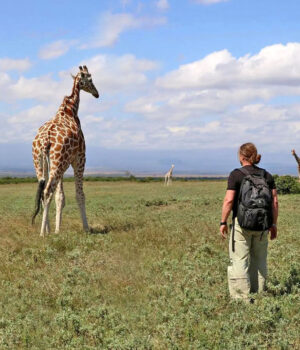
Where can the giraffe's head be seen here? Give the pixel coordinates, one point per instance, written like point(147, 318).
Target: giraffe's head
point(293, 152)
point(85, 81)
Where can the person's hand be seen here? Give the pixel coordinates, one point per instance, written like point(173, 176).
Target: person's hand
point(273, 232)
point(224, 231)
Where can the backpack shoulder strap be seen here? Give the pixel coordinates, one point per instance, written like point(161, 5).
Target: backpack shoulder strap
point(244, 171)
point(259, 171)
point(262, 172)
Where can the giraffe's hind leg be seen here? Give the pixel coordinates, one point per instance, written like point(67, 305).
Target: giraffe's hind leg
point(41, 164)
point(47, 224)
point(78, 166)
point(60, 203)
point(48, 194)
point(46, 167)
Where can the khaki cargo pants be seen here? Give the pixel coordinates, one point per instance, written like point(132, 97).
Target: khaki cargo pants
point(248, 262)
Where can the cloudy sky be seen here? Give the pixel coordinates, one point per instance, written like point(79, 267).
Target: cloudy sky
point(183, 82)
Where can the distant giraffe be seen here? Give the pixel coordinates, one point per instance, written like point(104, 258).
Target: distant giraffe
point(59, 143)
point(168, 176)
point(298, 162)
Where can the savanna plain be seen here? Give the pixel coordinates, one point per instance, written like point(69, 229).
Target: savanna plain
point(151, 275)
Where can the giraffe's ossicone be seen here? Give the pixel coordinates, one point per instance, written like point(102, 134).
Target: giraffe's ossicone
point(58, 144)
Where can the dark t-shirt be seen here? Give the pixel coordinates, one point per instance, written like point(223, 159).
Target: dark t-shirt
point(235, 180)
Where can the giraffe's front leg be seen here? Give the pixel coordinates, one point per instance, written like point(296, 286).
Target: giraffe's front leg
point(78, 167)
point(60, 203)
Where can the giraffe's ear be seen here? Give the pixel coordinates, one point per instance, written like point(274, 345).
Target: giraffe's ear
point(73, 76)
point(80, 68)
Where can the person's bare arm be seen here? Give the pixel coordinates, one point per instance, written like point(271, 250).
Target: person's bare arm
point(226, 209)
point(275, 208)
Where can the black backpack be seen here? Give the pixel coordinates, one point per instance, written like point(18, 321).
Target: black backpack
point(254, 211)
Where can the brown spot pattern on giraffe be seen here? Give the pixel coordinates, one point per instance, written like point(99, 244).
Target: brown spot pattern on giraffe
point(62, 136)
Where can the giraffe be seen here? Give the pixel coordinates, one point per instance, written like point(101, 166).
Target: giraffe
point(168, 176)
point(58, 144)
point(298, 162)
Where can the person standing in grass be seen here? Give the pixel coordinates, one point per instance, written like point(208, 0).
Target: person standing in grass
point(252, 197)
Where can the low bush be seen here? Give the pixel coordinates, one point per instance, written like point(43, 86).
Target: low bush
point(287, 184)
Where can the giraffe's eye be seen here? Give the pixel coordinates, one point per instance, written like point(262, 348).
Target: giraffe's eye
point(82, 75)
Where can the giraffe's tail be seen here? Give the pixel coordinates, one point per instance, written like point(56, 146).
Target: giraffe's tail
point(38, 198)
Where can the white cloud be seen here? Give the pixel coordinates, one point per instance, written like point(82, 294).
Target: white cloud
point(216, 102)
point(5, 80)
point(222, 100)
point(271, 66)
point(115, 77)
point(162, 4)
point(56, 49)
point(209, 2)
point(123, 73)
point(178, 129)
point(8, 64)
point(111, 26)
point(111, 74)
point(35, 114)
point(42, 88)
point(260, 123)
point(23, 125)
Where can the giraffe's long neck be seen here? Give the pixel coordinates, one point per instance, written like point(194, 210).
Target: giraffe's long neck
point(75, 98)
point(297, 158)
point(70, 103)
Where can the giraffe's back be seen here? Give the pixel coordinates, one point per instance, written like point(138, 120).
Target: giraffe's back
point(61, 139)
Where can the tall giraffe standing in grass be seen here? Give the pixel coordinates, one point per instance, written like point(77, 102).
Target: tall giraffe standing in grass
point(168, 176)
point(298, 162)
point(59, 143)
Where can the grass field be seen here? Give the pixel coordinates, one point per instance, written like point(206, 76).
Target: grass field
point(152, 276)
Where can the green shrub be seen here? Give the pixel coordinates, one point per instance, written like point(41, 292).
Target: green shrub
point(16, 180)
point(286, 184)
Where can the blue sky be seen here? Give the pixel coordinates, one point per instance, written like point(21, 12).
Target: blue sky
point(183, 82)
